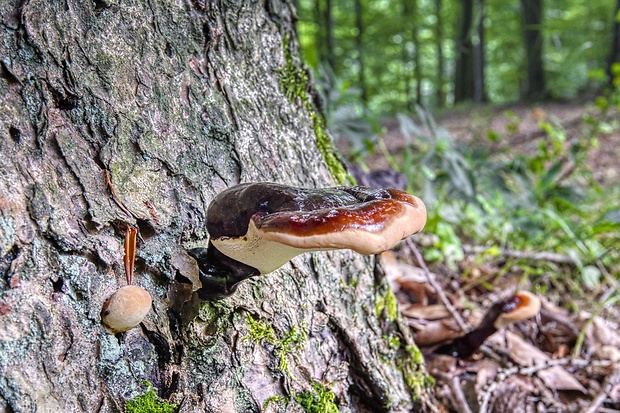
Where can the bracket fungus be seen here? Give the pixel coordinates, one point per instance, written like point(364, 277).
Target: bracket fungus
point(255, 228)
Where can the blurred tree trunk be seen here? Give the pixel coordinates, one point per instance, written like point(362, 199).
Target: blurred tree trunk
point(463, 71)
point(614, 56)
point(535, 86)
point(480, 94)
point(176, 101)
point(329, 31)
point(359, 46)
point(440, 95)
point(415, 39)
point(410, 54)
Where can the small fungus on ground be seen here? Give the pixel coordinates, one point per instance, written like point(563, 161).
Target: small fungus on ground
point(125, 309)
point(520, 306)
point(255, 228)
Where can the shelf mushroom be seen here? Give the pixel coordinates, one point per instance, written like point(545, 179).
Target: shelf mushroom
point(255, 228)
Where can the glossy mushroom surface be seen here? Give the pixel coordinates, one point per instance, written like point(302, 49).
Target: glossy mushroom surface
point(255, 228)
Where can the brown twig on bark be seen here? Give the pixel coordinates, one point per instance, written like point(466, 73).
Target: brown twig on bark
point(108, 181)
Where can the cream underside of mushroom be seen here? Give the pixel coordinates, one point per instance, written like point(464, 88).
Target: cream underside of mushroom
point(269, 250)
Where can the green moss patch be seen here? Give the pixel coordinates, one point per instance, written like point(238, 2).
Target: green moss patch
point(387, 302)
point(318, 400)
point(149, 403)
point(293, 340)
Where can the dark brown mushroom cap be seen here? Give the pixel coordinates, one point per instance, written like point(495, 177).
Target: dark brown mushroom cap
point(264, 225)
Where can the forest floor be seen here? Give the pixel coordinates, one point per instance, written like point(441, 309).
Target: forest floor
point(559, 361)
point(517, 125)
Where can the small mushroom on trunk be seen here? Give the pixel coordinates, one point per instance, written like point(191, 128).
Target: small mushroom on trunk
point(125, 309)
point(256, 228)
point(128, 306)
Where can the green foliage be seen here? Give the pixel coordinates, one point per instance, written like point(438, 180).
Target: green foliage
point(576, 34)
point(318, 400)
point(345, 113)
point(149, 403)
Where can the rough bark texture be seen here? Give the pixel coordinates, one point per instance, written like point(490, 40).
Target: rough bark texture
point(177, 100)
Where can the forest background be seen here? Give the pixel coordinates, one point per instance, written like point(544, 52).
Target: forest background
point(510, 172)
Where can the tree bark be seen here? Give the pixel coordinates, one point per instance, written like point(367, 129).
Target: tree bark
point(535, 87)
point(174, 101)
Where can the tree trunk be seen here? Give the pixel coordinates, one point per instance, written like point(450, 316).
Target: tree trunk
point(359, 46)
point(614, 56)
point(410, 52)
point(535, 87)
point(464, 74)
point(440, 95)
point(329, 31)
point(176, 101)
point(480, 94)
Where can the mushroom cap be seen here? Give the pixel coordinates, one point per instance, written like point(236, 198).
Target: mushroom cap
point(264, 225)
point(521, 306)
point(125, 309)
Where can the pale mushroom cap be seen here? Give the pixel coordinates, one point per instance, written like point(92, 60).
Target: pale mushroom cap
point(368, 227)
point(528, 306)
point(126, 308)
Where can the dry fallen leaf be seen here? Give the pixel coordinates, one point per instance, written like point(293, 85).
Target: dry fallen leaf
point(487, 371)
point(527, 355)
point(426, 312)
point(436, 332)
